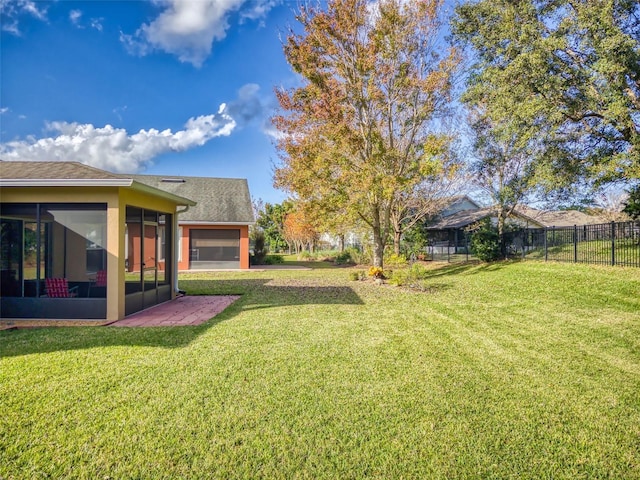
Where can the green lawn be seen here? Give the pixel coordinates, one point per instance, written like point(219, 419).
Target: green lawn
point(515, 370)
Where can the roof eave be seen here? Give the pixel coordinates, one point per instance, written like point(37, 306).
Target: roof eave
point(196, 222)
point(94, 182)
point(66, 182)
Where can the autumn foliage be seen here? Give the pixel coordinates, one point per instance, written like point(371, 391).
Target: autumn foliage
point(298, 230)
point(359, 135)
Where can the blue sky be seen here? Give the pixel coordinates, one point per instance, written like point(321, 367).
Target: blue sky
point(158, 87)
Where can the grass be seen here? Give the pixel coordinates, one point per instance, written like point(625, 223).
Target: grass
point(509, 370)
point(627, 252)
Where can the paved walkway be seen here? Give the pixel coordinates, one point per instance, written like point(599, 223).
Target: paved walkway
point(187, 310)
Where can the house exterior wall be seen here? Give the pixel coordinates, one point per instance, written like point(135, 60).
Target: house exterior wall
point(459, 206)
point(183, 263)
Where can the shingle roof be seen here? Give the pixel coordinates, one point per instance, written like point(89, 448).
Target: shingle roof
point(219, 200)
point(563, 218)
point(461, 219)
point(52, 170)
point(73, 174)
point(560, 218)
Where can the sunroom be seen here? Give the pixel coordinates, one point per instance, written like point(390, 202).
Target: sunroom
point(81, 243)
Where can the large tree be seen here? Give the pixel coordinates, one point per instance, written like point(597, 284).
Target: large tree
point(564, 74)
point(270, 218)
point(358, 134)
point(502, 168)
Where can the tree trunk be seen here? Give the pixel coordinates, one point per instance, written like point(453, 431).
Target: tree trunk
point(397, 235)
point(378, 248)
point(501, 222)
point(341, 239)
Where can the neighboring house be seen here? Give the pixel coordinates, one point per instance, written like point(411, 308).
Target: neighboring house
point(458, 204)
point(449, 228)
point(214, 234)
point(560, 218)
point(81, 243)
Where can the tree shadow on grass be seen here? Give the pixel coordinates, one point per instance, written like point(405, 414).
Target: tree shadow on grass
point(255, 294)
point(467, 267)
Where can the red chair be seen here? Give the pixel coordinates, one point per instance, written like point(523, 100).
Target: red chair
point(59, 288)
point(99, 281)
point(101, 278)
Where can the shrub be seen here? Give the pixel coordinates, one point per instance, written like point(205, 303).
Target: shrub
point(356, 256)
point(306, 256)
point(376, 272)
point(485, 241)
point(394, 260)
point(273, 259)
point(259, 249)
point(409, 276)
point(343, 258)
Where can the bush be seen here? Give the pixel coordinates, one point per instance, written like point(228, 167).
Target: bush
point(259, 249)
point(410, 277)
point(376, 272)
point(273, 259)
point(306, 256)
point(357, 275)
point(394, 260)
point(357, 257)
point(343, 258)
point(485, 242)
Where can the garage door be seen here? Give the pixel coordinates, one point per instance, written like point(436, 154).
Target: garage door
point(214, 249)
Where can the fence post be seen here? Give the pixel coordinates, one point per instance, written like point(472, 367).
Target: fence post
point(575, 244)
point(546, 246)
point(613, 243)
point(466, 241)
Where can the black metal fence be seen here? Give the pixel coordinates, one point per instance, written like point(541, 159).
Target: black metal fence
point(615, 243)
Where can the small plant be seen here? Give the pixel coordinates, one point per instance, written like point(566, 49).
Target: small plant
point(358, 257)
point(354, 276)
point(409, 276)
point(343, 258)
point(273, 259)
point(376, 272)
point(394, 260)
point(306, 256)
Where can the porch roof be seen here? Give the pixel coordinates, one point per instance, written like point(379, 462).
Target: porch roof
point(461, 219)
point(74, 174)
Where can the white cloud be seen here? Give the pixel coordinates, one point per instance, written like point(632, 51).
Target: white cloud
point(74, 16)
point(12, 10)
point(116, 150)
point(4, 110)
point(113, 148)
point(187, 28)
point(96, 23)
